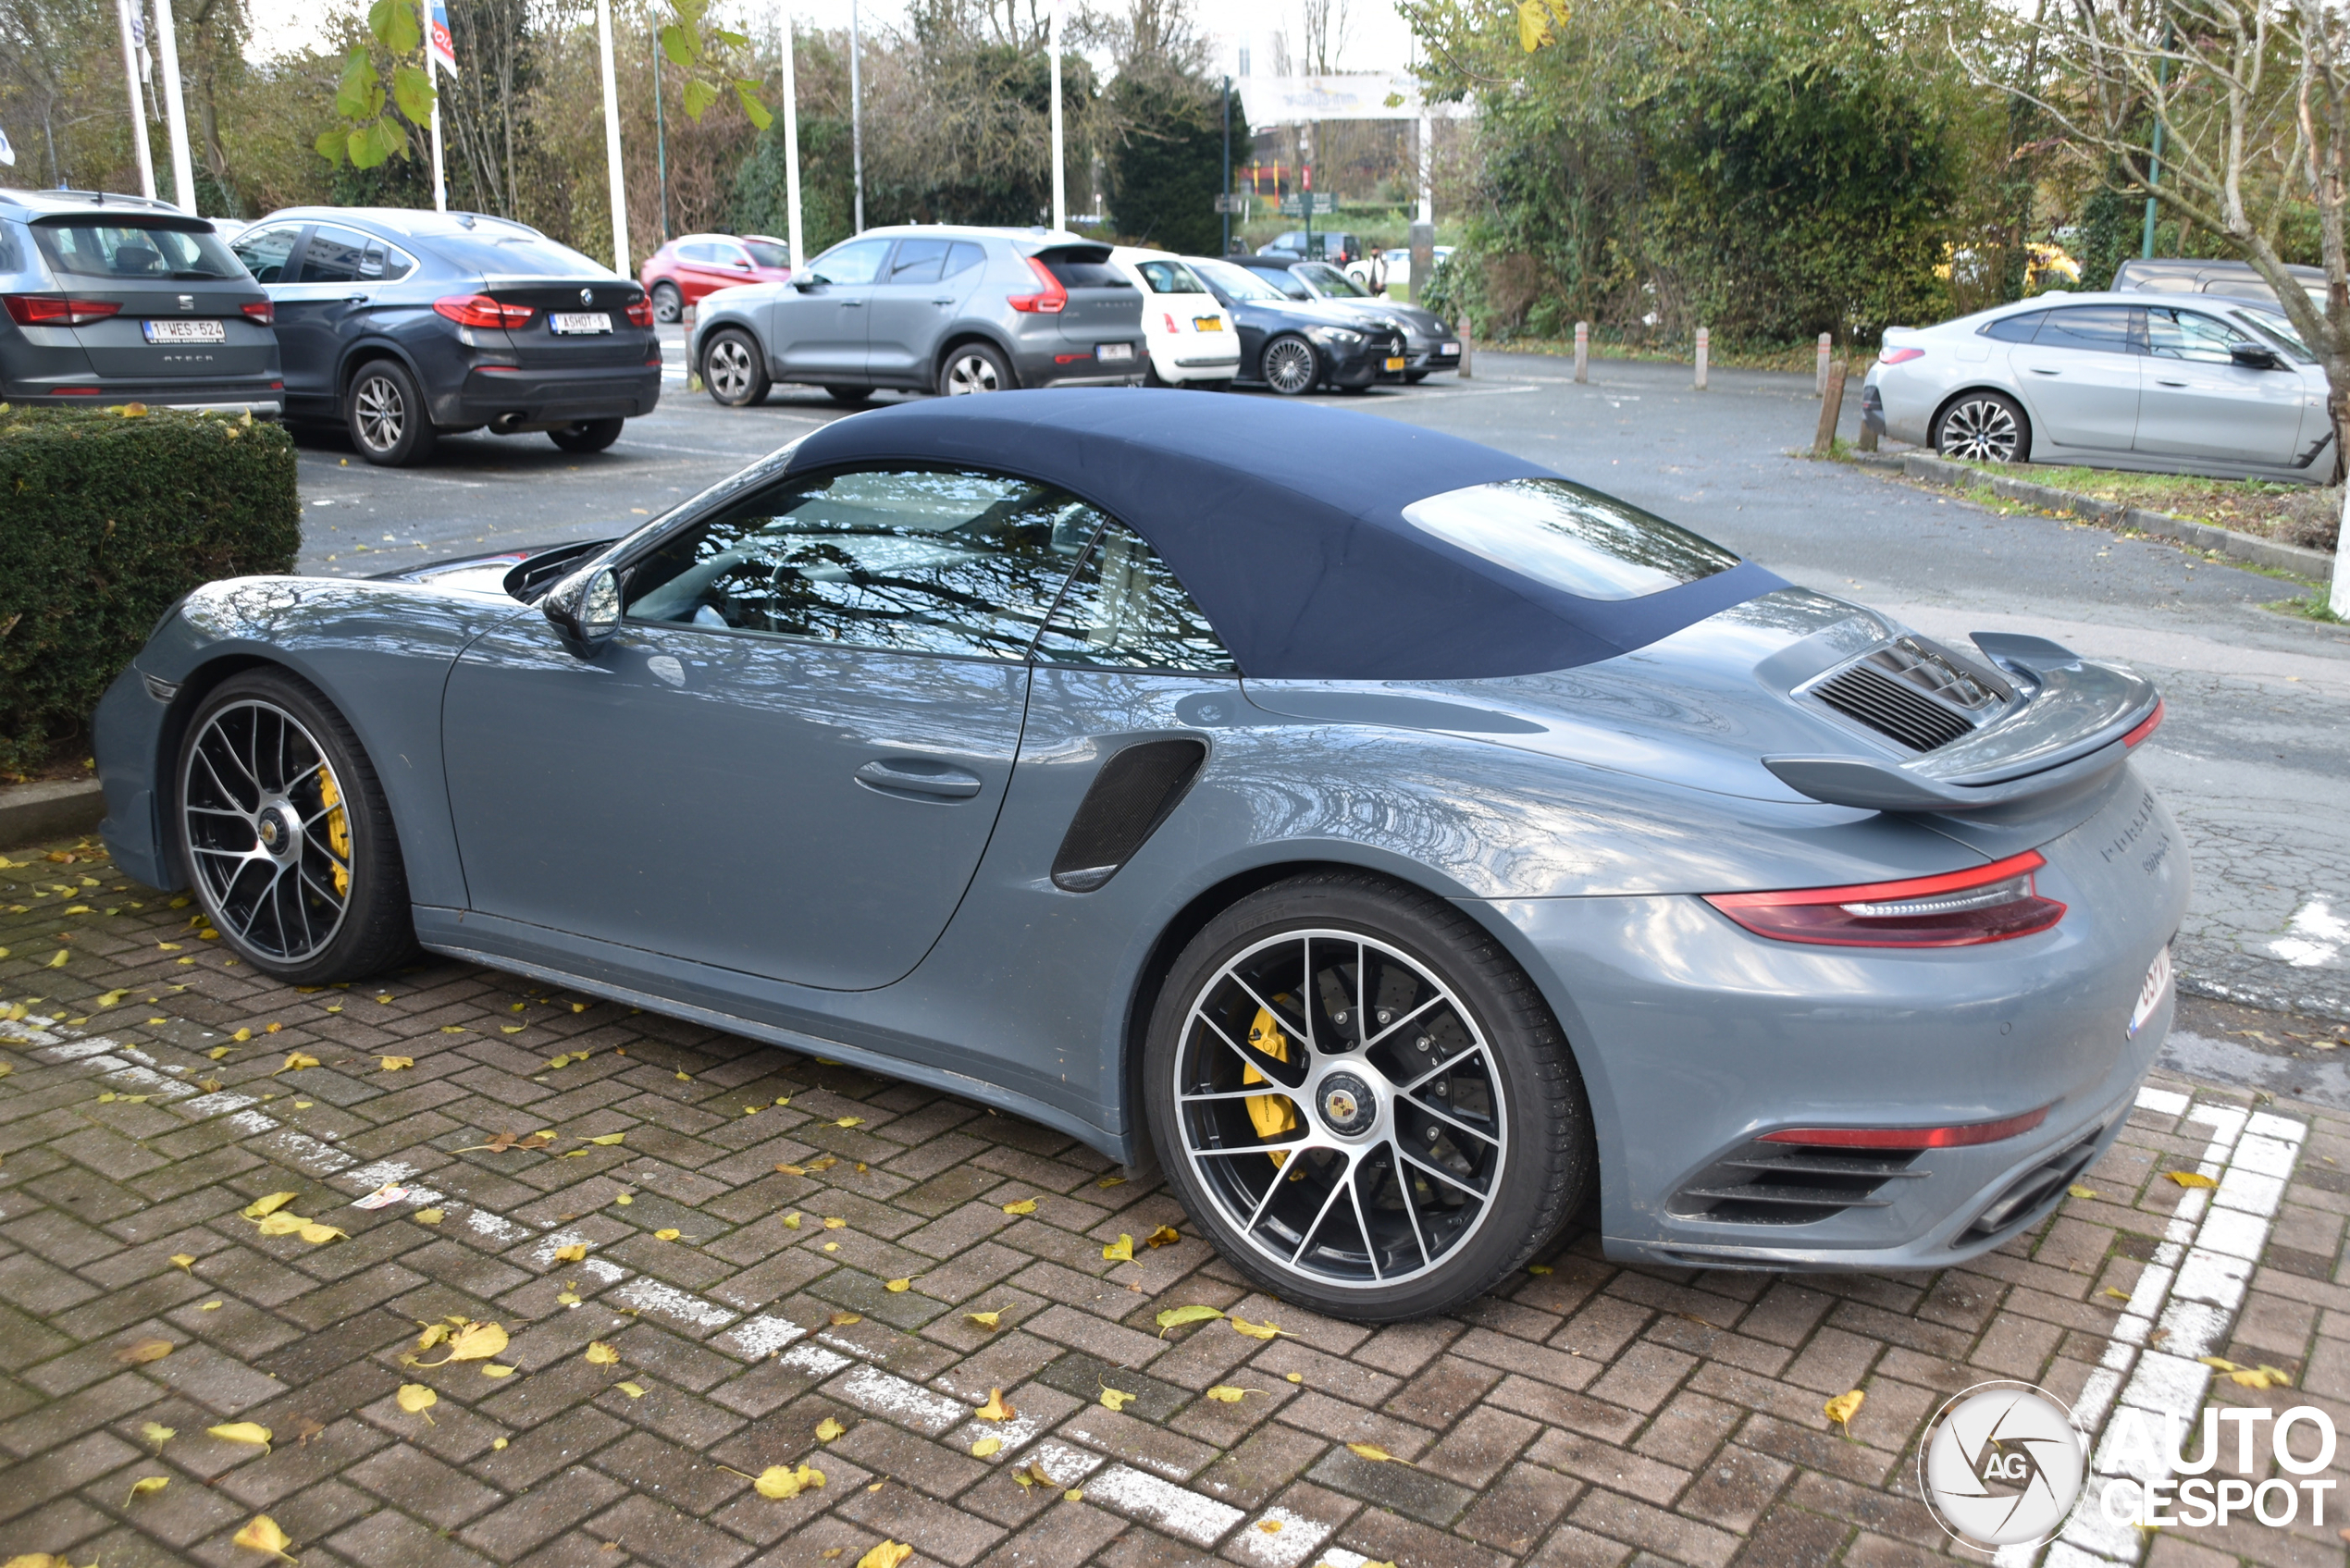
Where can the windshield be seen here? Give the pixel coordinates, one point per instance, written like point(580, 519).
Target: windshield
point(766, 252)
point(1241, 282)
point(2275, 324)
point(1168, 277)
point(1569, 537)
point(516, 255)
point(135, 251)
point(1328, 280)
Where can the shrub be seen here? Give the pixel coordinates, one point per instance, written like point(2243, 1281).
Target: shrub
point(107, 519)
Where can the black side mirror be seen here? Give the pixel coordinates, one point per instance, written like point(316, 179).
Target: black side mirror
point(2252, 356)
point(584, 607)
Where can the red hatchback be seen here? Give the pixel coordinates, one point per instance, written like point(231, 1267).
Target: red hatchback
point(681, 272)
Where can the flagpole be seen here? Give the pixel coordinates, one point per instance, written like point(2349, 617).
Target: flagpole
point(137, 103)
point(611, 143)
point(440, 57)
point(183, 178)
point(439, 176)
point(1060, 174)
point(791, 142)
point(855, 120)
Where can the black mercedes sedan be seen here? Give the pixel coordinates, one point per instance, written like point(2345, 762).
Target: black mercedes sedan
point(1293, 347)
point(403, 327)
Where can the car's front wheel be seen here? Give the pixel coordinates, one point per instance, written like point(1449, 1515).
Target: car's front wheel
point(734, 370)
point(1291, 366)
point(668, 304)
point(385, 413)
point(284, 830)
point(1983, 427)
point(587, 435)
point(1362, 1101)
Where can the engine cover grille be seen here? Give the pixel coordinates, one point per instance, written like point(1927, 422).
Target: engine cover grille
point(1914, 693)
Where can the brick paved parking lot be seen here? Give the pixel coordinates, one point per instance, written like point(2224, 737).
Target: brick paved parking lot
point(784, 1259)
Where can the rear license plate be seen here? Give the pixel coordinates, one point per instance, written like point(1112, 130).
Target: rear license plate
point(1114, 353)
point(580, 321)
point(184, 331)
point(1452, 349)
point(1208, 324)
point(2150, 994)
point(1396, 362)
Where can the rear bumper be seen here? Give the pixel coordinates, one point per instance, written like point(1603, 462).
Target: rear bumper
point(528, 397)
point(1055, 363)
point(262, 400)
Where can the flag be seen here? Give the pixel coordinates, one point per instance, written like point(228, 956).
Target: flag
point(438, 46)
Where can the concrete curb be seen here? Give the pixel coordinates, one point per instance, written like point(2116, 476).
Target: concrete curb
point(30, 813)
point(2298, 560)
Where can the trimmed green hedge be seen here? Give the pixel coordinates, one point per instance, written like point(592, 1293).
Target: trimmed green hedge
point(105, 520)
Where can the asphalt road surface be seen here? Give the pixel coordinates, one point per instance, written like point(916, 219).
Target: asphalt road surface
point(2252, 758)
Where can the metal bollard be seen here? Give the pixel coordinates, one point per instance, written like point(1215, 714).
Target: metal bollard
point(1464, 348)
point(1704, 342)
point(1820, 381)
point(1582, 351)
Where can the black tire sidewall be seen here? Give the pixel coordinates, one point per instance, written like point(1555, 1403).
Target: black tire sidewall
point(589, 436)
point(1547, 1149)
point(2015, 412)
point(416, 434)
point(666, 298)
point(375, 931)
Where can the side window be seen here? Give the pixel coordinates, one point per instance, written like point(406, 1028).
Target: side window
point(2111, 329)
point(2190, 335)
point(382, 263)
point(1124, 609)
point(916, 560)
point(265, 250)
point(2016, 328)
point(334, 255)
point(855, 262)
point(964, 257)
point(700, 252)
point(919, 261)
point(1288, 283)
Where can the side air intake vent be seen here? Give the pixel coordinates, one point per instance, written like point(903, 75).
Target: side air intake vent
point(1135, 791)
point(1914, 693)
point(1792, 1183)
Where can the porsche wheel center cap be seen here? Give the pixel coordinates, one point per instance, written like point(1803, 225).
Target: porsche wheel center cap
point(1346, 1103)
point(275, 828)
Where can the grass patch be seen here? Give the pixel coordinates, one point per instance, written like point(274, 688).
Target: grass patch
point(2294, 514)
point(2310, 607)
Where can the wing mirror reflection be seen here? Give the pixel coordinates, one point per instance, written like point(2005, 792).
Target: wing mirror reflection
point(584, 607)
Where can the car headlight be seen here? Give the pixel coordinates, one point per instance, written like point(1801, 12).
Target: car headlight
point(1335, 337)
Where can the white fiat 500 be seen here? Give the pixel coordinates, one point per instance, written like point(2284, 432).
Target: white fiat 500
point(1191, 341)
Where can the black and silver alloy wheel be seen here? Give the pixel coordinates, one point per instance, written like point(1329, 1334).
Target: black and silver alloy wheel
point(732, 371)
point(1290, 367)
point(385, 413)
point(669, 305)
point(1982, 427)
point(973, 370)
point(1361, 1099)
point(268, 831)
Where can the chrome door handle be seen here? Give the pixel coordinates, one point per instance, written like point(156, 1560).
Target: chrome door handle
point(2159, 382)
point(852, 305)
point(2038, 370)
point(914, 776)
point(948, 301)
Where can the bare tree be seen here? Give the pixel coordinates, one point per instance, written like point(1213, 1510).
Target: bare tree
point(1325, 27)
point(2251, 101)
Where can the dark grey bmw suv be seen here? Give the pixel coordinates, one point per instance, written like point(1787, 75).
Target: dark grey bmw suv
point(117, 300)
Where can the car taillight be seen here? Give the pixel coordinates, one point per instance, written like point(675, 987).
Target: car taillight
point(2147, 726)
point(1991, 903)
point(1898, 356)
point(1048, 299)
point(480, 310)
point(261, 311)
point(1961, 1135)
point(48, 310)
point(1170, 323)
point(641, 311)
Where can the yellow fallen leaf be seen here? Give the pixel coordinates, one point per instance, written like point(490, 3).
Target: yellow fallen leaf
point(2117, 1295)
point(607, 1140)
point(260, 1207)
point(415, 1399)
point(667, 1233)
point(986, 1320)
point(273, 1029)
point(1271, 1526)
point(996, 1409)
point(209, 1306)
point(897, 1285)
point(832, 1224)
point(624, 1199)
point(156, 1433)
point(491, 1369)
point(1175, 1317)
point(685, 1078)
point(831, 1246)
point(1116, 1399)
point(1026, 1206)
point(58, 962)
point(1121, 1249)
point(828, 1429)
point(144, 1485)
point(394, 1064)
point(2080, 1192)
point(454, 1029)
point(776, 1482)
point(1165, 1236)
point(241, 1036)
point(263, 1534)
point(602, 1354)
point(791, 1222)
point(475, 1341)
point(1111, 1182)
point(890, 1554)
point(319, 1235)
point(2189, 1178)
point(111, 999)
point(218, 1052)
point(511, 1028)
point(434, 1333)
point(843, 1320)
point(1295, 1376)
point(1264, 1330)
point(579, 1006)
point(1374, 1452)
point(850, 1121)
point(1537, 1269)
point(430, 1216)
point(791, 1169)
point(575, 1253)
point(144, 1352)
point(986, 1446)
point(296, 1061)
point(184, 1260)
point(1074, 1495)
point(284, 1223)
point(631, 1389)
point(1224, 1393)
point(1844, 1407)
point(241, 1432)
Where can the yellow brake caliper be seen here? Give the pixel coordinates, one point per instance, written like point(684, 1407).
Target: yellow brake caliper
point(337, 830)
point(1272, 1113)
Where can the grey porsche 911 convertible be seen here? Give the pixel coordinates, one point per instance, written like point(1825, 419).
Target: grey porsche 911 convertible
point(1400, 843)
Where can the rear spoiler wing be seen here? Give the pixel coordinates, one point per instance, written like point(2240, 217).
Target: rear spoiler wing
point(2075, 726)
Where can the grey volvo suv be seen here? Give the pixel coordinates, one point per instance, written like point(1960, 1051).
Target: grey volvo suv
point(928, 307)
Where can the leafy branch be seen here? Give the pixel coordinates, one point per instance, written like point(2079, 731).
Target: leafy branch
point(707, 55)
point(370, 136)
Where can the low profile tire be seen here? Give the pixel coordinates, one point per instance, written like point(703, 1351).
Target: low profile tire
point(1223, 386)
point(283, 829)
point(735, 370)
point(1376, 1173)
point(384, 411)
point(1289, 365)
point(850, 397)
point(974, 367)
point(589, 435)
point(1983, 427)
point(669, 305)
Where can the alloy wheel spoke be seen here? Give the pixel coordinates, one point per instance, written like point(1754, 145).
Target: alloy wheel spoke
point(1450, 1178)
point(1266, 1065)
point(1355, 1196)
point(1304, 1028)
point(1411, 1205)
point(1322, 1214)
point(1448, 1064)
point(1404, 1022)
point(1455, 1122)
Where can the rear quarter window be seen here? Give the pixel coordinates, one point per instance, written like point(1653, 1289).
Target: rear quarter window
point(1083, 274)
point(519, 257)
point(1568, 537)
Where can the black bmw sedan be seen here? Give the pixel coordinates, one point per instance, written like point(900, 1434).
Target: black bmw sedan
point(407, 326)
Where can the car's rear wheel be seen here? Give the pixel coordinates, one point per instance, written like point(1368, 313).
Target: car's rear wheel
point(385, 413)
point(850, 396)
point(285, 836)
point(668, 304)
point(734, 371)
point(1362, 1101)
point(1414, 377)
point(974, 367)
point(1289, 365)
point(1984, 426)
point(587, 435)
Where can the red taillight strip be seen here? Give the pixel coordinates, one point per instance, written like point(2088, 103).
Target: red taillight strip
point(48, 310)
point(1049, 300)
point(1963, 1135)
point(1898, 356)
point(480, 310)
point(1871, 914)
point(261, 311)
point(1886, 892)
point(2147, 726)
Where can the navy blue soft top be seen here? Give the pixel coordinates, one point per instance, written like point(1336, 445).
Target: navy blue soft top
point(1286, 522)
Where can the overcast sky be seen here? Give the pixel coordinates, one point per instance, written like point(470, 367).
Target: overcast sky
point(1378, 39)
